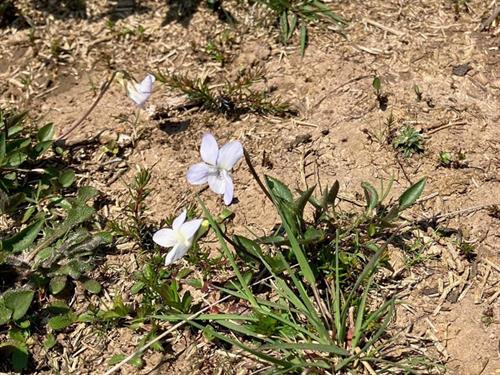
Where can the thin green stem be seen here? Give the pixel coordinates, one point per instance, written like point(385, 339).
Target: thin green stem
point(256, 176)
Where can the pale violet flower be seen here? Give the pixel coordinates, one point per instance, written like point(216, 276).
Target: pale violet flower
point(140, 92)
point(216, 166)
point(179, 237)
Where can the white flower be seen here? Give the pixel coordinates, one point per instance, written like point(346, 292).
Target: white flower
point(216, 166)
point(140, 92)
point(179, 238)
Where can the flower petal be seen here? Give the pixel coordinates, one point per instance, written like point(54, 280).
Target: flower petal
point(217, 183)
point(140, 92)
point(146, 86)
point(228, 190)
point(189, 228)
point(209, 149)
point(165, 237)
point(179, 220)
point(229, 155)
point(198, 174)
point(176, 253)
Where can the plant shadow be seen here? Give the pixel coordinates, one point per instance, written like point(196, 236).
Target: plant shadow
point(181, 11)
point(174, 127)
point(11, 17)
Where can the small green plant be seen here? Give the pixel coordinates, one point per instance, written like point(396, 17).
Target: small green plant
point(408, 141)
point(215, 52)
point(294, 15)
point(132, 224)
point(466, 248)
point(234, 99)
point(450, 160)
point(382, 98)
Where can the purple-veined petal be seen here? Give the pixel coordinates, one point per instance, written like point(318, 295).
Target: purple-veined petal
point(228, 189)
point(165, 237)
point(189, 228)
point(179, 220)
point(209, 149)
point(198, 174)
point(229, 155)
point(217, 183)
point(176, 253)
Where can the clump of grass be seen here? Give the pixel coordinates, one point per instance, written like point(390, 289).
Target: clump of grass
point(233, 99)
point(298, 15)
point(408, 141)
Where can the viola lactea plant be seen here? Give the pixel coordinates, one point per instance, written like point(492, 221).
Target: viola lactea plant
point(216, 171)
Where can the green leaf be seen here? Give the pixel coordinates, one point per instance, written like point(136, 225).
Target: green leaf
point(137, 287)
point(8, 203)
point(411, 195)
point(117, 358)
point(42, 147)
point(18, 301)
point(85, 193)
point(62, 321)
point(46, 133)
point(5, 313)
point(330, 195)
point(284, 26)
point(292, 24)
point(19, 357)
point(17, 158)
point(92, 286)
point(376, 84)
point(57, 284)
point(279, 189)
point(22, 240)
point(2, 146)
point(247, 250)
point(66, 178)
point(49, 342)
point(302, 201)
point(371, 196)
point(303, 39)
point(58, 307)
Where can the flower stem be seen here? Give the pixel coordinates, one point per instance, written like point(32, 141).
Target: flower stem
point(254, 174)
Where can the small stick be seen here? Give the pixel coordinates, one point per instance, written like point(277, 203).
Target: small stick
point(479, 293)
point(445, 293)
point(441, 217)
point(442, 127)
point(492, 264)
point(383, 27)
point(485, 25)
point(493, 297)
point(104, 88)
